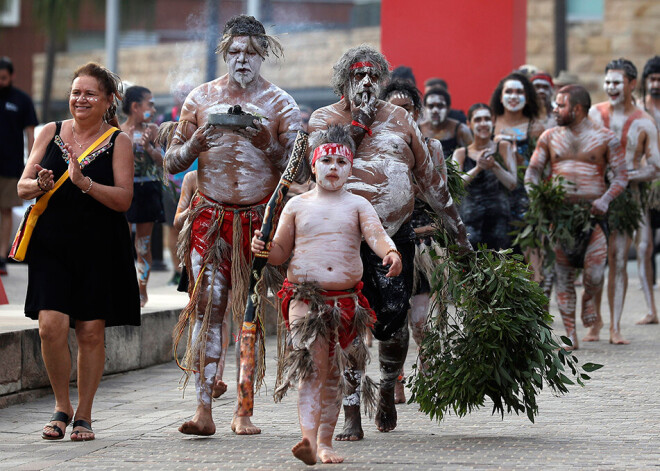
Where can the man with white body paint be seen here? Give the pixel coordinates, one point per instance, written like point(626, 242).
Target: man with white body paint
point(405, 95)
point(238, 171)
point(450, 132)
point(638, 134)
point(322, 301)
point(545, 89)
point(390, 152)
point(651, 103)
point(651, 88)
point(580, 151)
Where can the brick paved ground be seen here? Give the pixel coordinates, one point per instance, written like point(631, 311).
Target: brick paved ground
point(613, 423)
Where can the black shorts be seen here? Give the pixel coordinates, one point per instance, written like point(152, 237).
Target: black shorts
point(147, 204)
point(389, 297)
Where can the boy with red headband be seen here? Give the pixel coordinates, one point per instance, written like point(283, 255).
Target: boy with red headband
point(321, 298)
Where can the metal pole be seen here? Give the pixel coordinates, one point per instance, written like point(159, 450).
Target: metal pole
point(111, 34)
point(212, 34)
point(254, 8)
point(561, 62)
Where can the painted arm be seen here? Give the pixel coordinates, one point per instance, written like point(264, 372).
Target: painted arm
point(434, 188)
point(651, 169)
point(376, 237)
point(617, 162)
point(282, 244)
point(538, 161)
point(188, 188)
point(189, 140)
point(438, 157)
point(506, 175)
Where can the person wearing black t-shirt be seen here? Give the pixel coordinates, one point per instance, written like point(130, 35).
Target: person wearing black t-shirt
point(17, 116)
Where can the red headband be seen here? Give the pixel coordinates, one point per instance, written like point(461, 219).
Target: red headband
point(360, 65)
point(545, 77)
point(332, 149)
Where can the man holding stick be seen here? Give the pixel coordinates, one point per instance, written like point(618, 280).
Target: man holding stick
point(238, 171)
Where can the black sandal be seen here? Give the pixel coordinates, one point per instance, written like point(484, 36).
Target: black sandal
point(57, 417)
point(84, 424)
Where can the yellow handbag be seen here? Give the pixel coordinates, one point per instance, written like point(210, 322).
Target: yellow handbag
point(24, 233)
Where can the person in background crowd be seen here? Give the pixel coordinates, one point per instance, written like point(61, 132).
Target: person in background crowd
point(450, 132)
point(490, 173)
point(17, 117)
point(434, 82)
point(638, 134)
point(545, 89)
point(147, 206)
point(651, 102)
point(516, 113)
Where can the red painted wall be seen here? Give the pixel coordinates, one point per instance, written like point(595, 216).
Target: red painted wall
point(472, 44)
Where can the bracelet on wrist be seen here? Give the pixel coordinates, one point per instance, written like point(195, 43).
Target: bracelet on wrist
point(39, 184)
point(394, 251)
point(91, 182)
point(360, 125)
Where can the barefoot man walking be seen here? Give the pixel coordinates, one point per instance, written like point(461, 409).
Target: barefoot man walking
point(238, 171)
point(580, 151)
point(390, 152)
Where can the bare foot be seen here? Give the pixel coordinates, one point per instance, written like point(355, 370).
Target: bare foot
point(244, 426)
point(593, 334)
point(303, 451)
point(328, 455)
point(143, 299)
point(201, 424)
point(352, 425)
point(219, 388)
point(617, 339)
point(648, 319)
point(386, 413)
point(399, 392)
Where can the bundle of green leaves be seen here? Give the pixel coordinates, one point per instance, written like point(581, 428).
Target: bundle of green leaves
point(550, 220)
point(625, 211)
point(497, 343)
point(455, 181)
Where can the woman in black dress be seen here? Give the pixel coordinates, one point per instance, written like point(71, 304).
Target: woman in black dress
point(490, 170)
point(80, 265)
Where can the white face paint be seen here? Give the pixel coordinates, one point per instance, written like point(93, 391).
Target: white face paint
point(243, 61)
point(332, 171)
point(482, 123)
point(513, 95)
point(613, 86)
point(364, 79)
point(437, 108)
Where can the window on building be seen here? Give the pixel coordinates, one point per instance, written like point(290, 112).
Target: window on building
point(585, 10)
point(10, 12)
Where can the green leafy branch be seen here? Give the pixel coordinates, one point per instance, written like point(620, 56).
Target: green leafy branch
point(497, 343)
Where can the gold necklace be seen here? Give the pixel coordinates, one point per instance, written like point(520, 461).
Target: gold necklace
point(73, 131)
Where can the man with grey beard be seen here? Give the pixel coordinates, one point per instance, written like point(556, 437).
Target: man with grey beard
point(390, 152)
point(238, 171)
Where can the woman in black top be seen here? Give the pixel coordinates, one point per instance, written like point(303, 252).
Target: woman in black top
point(80, 266)
point(490, 172)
